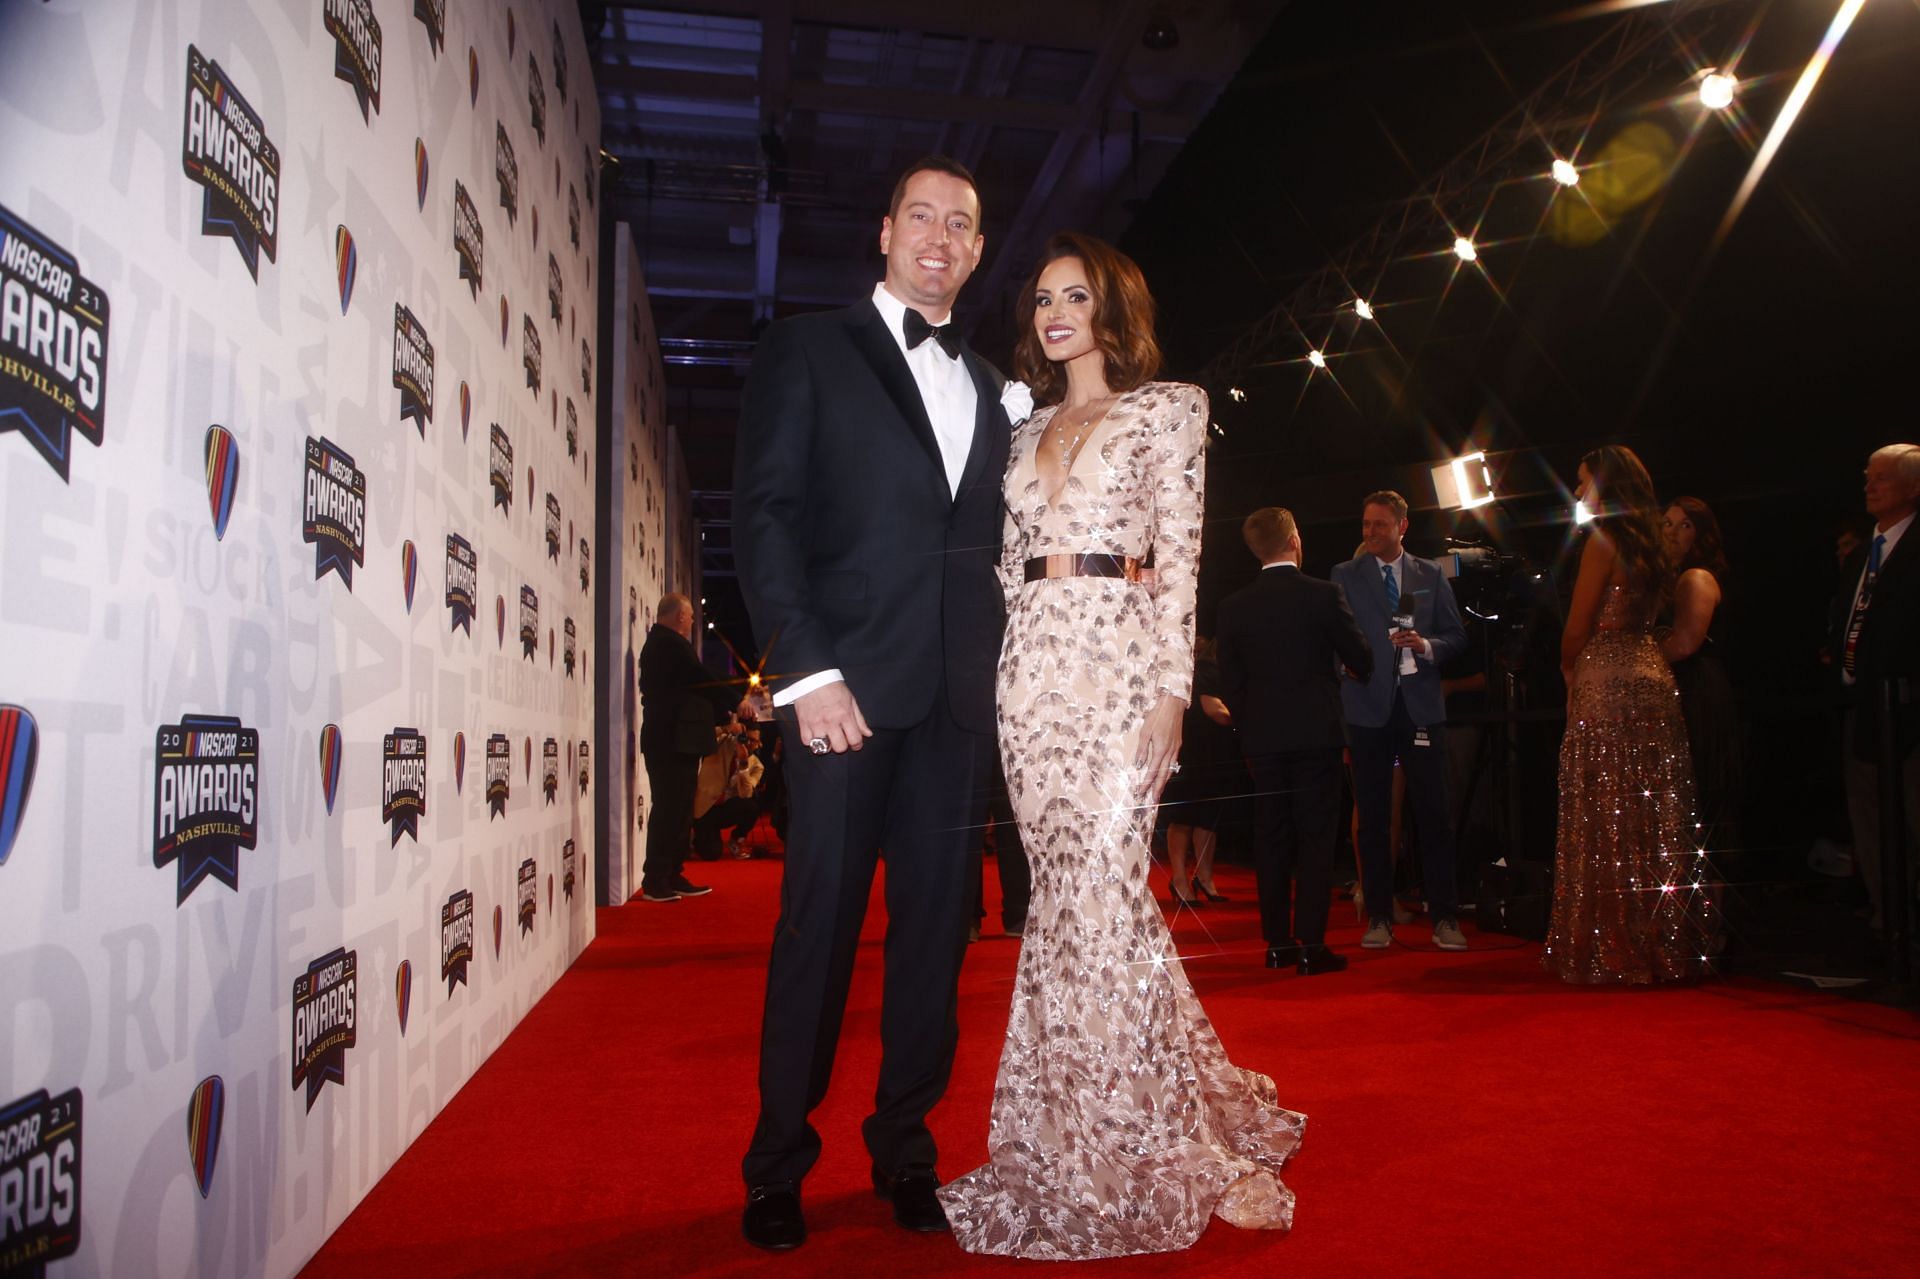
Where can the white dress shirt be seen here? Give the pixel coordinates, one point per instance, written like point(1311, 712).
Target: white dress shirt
point(950, 398)
point(1892, 536)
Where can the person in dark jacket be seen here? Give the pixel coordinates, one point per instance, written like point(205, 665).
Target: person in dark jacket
point(681, 703)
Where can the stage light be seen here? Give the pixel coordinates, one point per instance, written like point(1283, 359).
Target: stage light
point(1581, 513)
point(1565, 174)
point(1316, 359)
point(1362, 308)
point(1464, 483)
point(1464, 250)
point(753, 680)
point(1716, 90)
point(1237, 395)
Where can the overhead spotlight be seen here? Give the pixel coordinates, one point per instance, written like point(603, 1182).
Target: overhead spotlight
point(1565, 174)
point(1716, 90)
point(1464, 250)
point(1315, 358)
point(1362, 308)
point(1237, 395)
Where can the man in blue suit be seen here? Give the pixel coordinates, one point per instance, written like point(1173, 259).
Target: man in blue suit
point(1407, 612)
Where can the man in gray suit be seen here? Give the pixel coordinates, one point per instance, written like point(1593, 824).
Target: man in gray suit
point(1407, 612)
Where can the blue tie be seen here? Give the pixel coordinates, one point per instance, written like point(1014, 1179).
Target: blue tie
point(1873, 556)
point(1393, 589)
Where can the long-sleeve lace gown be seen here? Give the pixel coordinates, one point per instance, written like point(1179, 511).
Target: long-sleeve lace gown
point(1119, 1125)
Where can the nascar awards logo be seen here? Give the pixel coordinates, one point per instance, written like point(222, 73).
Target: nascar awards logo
point(433, 16)
point(550, 769)
point(456, 939)
point(463, 577)
point(553, 527)
point(569, 860)
point(530, 353)
point(568, 638)
point(403, 782)
point(573, 429)
point(226, 150)
point(39, 1181)
point(586, 556)
point(573, 214)
point(537, 97)
point(325, 1007)
point(583, 766)
point(53, 345)
point(507, 170)
point(356, 50)
point(559, 64)
point(529, 621)
point(469, 241)
point(412, 368)
point(206, 793)
point(529, 895)
point(500, 469)
point(19, 754)
point(586, 368)
point(556, 288)
point(499, 774)
point(334, 516)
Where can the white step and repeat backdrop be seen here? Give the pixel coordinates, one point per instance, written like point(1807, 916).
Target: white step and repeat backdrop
point(297, 648)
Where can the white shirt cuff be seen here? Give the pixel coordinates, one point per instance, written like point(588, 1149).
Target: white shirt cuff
point(800, 688)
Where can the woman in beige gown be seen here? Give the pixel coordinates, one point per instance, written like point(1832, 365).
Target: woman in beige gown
point(1118, 1125)
point(1632, 896)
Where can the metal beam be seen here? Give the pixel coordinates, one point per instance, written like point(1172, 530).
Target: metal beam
point(1060, 24)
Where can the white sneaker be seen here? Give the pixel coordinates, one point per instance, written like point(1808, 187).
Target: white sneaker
point(1447, 936)
point(1379, 936)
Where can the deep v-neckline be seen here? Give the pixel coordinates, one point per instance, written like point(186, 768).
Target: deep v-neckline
point(1073, 463)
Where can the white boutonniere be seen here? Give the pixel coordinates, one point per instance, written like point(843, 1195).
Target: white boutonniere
point(1017, 399)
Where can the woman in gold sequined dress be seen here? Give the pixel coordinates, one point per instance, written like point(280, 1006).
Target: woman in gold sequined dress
point(1630, 903)
point(1118, 1125)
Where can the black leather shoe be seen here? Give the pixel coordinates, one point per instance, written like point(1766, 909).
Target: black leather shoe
point(1315, 960)
point(772, 1219)
point(915, 1206)
point(1283, 956)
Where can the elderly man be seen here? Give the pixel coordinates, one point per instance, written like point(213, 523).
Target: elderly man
point(1875, 637)
point(681, 702)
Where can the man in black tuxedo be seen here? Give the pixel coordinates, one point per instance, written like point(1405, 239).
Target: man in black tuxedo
point(867, 480)
point(681, 702)
point(1874, 635)
point(1281, 644)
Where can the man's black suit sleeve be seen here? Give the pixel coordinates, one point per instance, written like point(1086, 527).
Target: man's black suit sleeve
point(1343, 632)
point(770, 504)
point(1228, 657)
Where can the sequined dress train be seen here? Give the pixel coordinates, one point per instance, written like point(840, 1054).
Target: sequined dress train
point(1632, 897)
point(1118, 1124)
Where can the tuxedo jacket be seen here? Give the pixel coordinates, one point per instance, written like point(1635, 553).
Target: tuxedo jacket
point(851, 548)
point(1281, 643)
point(1889, 640)
point(1425, 593)
point(680, 699)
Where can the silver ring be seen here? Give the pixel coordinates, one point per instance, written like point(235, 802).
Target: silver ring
point(819, 745)
point(1174, 767)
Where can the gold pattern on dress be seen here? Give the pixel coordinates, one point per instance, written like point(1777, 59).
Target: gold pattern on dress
point(1633, 893)
point(1118, 1124)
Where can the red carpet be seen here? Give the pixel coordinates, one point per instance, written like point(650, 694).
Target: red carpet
point(1468, 1116)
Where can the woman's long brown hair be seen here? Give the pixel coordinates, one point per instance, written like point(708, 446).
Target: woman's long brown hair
point(1122, 319)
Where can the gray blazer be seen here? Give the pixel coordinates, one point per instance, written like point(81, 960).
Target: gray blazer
point(1424, 592)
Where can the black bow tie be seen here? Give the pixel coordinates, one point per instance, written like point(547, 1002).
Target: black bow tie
point(918, 330)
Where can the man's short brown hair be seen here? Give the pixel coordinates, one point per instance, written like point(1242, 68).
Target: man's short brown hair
point(1389, 499)
point(1268, 532)
point(932, 164)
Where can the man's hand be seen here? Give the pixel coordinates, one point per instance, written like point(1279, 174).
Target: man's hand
point(1410, 638)
point(830, 713)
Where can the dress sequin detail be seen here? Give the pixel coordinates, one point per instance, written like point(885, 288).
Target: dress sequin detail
point(1632, 901)
point(1118, 1124)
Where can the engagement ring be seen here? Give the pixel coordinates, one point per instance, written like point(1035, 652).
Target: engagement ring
point(1174, 767)
point(819, 745)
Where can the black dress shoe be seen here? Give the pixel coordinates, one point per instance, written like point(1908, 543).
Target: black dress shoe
point(915, 1206)
point(1283, 956)
point(772, 1219)
point(1315, 960)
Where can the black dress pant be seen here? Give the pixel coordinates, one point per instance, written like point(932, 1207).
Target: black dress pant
point(910, 792)
point(672, 778)
point(1296, 824)
point(1422, 753)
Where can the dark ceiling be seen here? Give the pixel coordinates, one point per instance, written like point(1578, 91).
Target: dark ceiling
point(1755, 367)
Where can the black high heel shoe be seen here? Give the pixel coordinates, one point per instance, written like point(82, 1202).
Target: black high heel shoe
point(1209, 894)
point(1179, 899)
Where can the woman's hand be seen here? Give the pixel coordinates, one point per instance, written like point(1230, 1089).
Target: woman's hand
point(1159, 745)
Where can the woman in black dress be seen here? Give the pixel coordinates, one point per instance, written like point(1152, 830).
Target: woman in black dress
point(1196, 795)
point(1691, 646)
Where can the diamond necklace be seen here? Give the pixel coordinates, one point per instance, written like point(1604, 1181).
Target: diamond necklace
point(1067, 447)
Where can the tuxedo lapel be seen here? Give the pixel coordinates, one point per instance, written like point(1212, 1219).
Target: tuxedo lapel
point(988, 417)
point(882, 353)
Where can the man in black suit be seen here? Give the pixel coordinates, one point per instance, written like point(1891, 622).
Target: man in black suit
point(1281, 644)
point(867, 490)
point(1875, 636)
point(681, 702)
